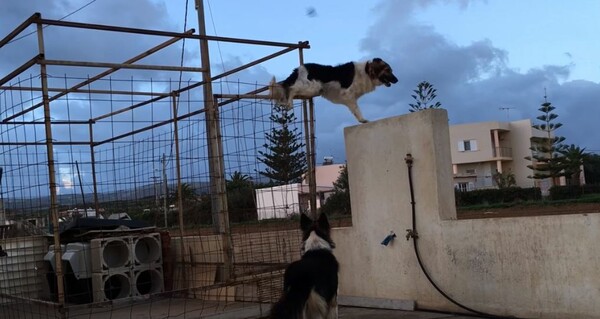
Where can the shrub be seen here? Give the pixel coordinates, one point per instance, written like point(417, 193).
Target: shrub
point(495, 196)
point(573, 191)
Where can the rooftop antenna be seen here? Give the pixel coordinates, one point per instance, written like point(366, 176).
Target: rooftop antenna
point(507, 109)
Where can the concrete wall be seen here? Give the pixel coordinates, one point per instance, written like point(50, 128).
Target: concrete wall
point(535, 267)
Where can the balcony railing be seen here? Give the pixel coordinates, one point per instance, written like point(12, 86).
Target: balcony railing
point(502, 152)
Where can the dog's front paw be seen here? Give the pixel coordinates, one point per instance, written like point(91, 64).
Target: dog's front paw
point(364, 121)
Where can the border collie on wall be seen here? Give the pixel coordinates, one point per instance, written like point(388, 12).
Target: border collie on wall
point(341, 84)
point(310, 284)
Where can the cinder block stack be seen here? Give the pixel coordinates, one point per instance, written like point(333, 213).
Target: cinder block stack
point(112, 261)
point(147, 264)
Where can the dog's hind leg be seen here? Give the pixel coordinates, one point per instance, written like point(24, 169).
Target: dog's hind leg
point(333, 309)
point(353, 106)
point(290, 94)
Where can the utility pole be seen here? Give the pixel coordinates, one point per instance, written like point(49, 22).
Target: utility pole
point(155, 181)
point(165, 189)
point(2, 212)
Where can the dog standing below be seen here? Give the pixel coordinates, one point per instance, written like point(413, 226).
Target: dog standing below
point(310, 284)
point(342, 84)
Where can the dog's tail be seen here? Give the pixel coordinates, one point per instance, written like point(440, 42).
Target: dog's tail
point(276, 91)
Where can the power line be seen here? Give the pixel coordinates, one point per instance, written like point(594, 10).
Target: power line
point(68, 15)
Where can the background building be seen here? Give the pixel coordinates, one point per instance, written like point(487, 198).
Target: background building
point(481, 149)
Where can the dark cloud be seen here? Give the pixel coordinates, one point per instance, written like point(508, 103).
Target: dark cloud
point(473, 81)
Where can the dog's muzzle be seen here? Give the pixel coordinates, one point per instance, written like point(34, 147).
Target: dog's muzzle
point(388, 79)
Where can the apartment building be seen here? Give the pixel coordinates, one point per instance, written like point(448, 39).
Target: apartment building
point(481, 149)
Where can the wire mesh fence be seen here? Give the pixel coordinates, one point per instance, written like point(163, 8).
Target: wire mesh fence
point(117, 199)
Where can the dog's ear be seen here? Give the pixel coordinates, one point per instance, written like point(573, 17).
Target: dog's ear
point(305, 222)
point(377, 60)
point(323, 222)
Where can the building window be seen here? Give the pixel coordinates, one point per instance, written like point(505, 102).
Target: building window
point(467, 145)
point(465, 186)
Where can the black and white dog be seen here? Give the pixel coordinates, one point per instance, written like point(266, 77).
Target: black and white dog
point(342, 84)
point(310, 284)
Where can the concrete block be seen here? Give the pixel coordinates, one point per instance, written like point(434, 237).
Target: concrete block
point(111, 252)
point(148, 281)
point(112, 286)
point(147, 249)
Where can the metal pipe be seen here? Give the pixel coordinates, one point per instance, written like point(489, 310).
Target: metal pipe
point(200, 36)
point(22, 68)
point(120, 65)
point(19, 29)
point(42, 143)
point(60, 289)
point(220, 212)
point(60, 122)
point(195, 85)
point(309, 140)
point(93, 160)
point(179, 189)
point(88, 91)
point(254, 96)
point(312, 185)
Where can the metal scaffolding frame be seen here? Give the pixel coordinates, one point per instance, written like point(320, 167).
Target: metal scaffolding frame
point(212, 102)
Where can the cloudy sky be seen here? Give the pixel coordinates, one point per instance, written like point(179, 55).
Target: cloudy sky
point(489, 60)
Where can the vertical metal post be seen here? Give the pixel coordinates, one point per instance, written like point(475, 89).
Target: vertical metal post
point(220, 212)
point(60, 291)
point(312, 186)
point(93, 163)
point(309, 137)
point(179, 190)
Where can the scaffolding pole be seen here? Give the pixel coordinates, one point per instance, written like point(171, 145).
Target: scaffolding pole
point(60, 289)
point(220, 211)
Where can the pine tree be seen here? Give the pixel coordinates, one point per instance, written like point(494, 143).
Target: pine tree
point(424, 97)
point(339, 201)
point(547, 161)
point(285, 159)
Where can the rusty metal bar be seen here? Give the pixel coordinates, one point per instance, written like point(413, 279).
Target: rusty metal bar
point(200, 36)
point(240, 68)
point(93, 160)
point(254, 92)
point(60, 289)
point(20, 69)
point(242, 96)
point(19, 29)
point(195, 85)
point(309, 137)
point(132, 107)
point(42, 143)
point(99, 76)
point(254, 96)
point(179, 190)
point(58, 122)
point(159, 124)
point(120, 65)
point(312, 185)
point(38, 89)
point(215, 154)
point(253, 63)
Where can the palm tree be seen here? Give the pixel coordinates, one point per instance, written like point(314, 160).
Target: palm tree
point(238, 180)
point(188, 193)
point(241, 198)
point(572, 160)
